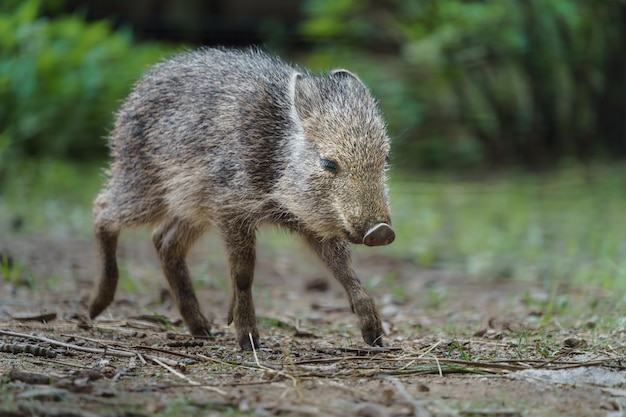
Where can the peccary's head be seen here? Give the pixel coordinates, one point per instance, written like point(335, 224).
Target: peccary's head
point(335, 177)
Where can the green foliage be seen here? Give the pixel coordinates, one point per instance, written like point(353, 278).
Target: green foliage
point(9, 269)
point(465, 82)
point(464, 353)
point(61, 80)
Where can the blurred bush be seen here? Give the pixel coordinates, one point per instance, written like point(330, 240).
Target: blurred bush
point(61, 80)
point(467, 82)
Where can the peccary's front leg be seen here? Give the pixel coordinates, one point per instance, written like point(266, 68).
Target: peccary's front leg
point(336, 255)
point(240, 244)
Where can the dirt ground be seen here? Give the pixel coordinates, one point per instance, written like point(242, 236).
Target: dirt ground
point(455, 346)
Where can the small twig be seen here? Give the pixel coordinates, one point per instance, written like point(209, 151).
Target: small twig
point(186, 378)
point(43, 318)
point(143, 361)
point(580, 364)
point(363, 396)
point(229, 364)
point(100, 342)
point(438, 366)
point(166, 351)
point(551, 360)
point(431, 348)
point(418, 408)
point(112, 352)
point(30, 377)
point(64, 363)
point(339, 359)
point(361, 351)
point(293, 379)
point(34, 408)
point(426, 352)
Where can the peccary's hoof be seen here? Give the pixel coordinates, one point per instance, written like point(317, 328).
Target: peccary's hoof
point(379, 235)
point(373, 337)
point(246, 343)
point(202, 333)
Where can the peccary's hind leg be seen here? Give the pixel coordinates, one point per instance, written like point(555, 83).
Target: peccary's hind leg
point(106, 231)
point(106, 285)
point(240, 245)
point(172, 240)
point(118, 206)
point(336, 256)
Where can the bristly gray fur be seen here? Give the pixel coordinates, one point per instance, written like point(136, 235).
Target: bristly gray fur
point(233, 139)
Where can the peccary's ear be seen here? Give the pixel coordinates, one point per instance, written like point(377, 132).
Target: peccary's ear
point(344, 74)
point(293, 82)
point(299, 95)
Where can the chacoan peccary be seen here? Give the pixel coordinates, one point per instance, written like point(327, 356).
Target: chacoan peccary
point(233, 139)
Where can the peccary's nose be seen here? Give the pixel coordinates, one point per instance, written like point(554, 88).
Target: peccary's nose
point(379, 235)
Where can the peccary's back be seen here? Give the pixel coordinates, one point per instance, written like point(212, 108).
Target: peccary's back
point(219, 116)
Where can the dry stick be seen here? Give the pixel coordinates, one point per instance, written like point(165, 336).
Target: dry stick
point(431, 348)
point(33, 408)
point(549, 361)
point(30, 377)
point(615, 349)
point(186, 378)
point(412, 361)
point(500, 363)
point(418, 408)
point(580, 364)
point(219, 362)
point(426, 352)
point(32, 349)
point(296, 386)
point(362, 395)
point(64, 363)
point(143, 361)
point(338, 359)
point(438, 366)
point(169, 352)
point(112, 352)
point(94, 340)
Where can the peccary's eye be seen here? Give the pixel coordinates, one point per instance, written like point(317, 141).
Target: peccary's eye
point(329, 165)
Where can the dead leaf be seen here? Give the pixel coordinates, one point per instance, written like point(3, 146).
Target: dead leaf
point(299, 332)
point(573, 343)
point(423, 388)
point(317, 285)
point(330, 308)
point(480, 333)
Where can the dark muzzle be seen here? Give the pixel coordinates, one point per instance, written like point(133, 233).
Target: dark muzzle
point(379, 235)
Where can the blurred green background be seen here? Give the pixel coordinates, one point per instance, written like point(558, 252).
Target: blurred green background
point(507, 116)
point(462, 83)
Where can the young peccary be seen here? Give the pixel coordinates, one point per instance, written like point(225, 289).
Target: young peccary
point(236, 139)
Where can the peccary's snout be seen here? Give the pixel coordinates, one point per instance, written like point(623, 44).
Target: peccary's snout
point(379, 235)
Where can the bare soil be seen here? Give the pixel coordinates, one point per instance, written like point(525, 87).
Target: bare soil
point(455, 346)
